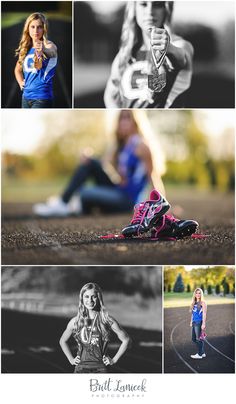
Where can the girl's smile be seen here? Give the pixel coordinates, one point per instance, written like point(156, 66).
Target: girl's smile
point(90, 299)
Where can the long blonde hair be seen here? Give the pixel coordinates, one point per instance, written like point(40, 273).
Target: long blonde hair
point(194, 300)
point(104, 321)
point(146, 132)
point(131, 35)
point(26, 41)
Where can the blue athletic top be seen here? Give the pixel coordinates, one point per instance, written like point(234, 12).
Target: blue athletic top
point(91, 344)
point(197, 314)
point(132, 168)
point(38, 83)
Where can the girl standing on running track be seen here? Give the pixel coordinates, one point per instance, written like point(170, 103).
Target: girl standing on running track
point(91, 329)
point(36, 65)
point(153, 68)
point(198, 322)
point(134, 158)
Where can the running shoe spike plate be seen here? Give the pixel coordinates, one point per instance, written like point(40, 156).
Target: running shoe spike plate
point(169, 226)
point(146, 214)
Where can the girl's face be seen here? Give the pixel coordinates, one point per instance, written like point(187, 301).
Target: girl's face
point(150, 14)
point(198, 295)
point(90, 299)
point(126, 124)
point(36, 30)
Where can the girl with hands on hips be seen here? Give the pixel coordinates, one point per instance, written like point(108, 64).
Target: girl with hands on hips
point(153, 67)
point(91, 329)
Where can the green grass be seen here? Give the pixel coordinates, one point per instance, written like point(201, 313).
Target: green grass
point(10, 19)
point(172, 299)
point(19, 190)
point(34, 190)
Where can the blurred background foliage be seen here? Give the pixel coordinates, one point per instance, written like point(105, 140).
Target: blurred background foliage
point(211, 279)
point(67, 280)
point(133, 294)
point(195, 157)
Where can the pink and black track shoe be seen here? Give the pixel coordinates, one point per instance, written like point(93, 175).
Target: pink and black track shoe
point(147, 214)
point(169, 226)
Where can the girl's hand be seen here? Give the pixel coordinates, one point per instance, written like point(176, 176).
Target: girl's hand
point(22, 85)
point(203, 327)
point(191, 324)
point(159, 39)
point(38, 45)
point(107, 360)
point(75, 361)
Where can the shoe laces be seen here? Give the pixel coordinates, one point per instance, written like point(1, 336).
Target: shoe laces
point(139, 213)
point(162, 223)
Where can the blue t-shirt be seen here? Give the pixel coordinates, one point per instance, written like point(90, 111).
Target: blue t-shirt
point(133, 169)
point(197, 314)
point(38, 83)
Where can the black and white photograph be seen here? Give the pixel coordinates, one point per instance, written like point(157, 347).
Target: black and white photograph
point(154, 54)
point(81, 319)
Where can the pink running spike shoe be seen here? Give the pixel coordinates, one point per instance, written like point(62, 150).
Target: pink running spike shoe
point(146, 214)
point(169, 226)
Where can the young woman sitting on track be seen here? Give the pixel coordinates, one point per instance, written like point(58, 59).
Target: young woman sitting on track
point(134, 162)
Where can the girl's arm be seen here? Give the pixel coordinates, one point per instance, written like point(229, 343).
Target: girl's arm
point(64, 345)
point(204, 310)
point(19, 75)
point(143, 152)
point(125, 341)
point(112, 94)
point(179, 51)
point(49, 49)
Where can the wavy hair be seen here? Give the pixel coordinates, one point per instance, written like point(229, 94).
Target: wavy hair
point(146, 132)
point(26, 41)
point(131, 34)
point(104, 321)
point(194, 300)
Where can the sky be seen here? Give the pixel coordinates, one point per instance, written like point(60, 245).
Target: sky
point(22, 130)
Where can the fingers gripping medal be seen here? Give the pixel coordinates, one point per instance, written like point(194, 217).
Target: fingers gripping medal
point(158, 57)
point(38, 60)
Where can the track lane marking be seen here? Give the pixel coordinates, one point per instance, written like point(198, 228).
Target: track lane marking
point(175, 349)
point(230, 328)
point(217, 350)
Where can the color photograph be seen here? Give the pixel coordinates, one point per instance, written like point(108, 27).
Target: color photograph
point(199, 319)
point(118, 187)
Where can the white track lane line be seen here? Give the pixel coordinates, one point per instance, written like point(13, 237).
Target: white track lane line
point(176, 351)
point(40, 359)
point(217, 350)
point(231, 328)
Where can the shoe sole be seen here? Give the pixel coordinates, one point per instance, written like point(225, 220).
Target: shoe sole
point(186, 231)
point(152, 223)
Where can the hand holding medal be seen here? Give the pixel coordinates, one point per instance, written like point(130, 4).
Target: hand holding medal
point(38, 55)
point(160, 40)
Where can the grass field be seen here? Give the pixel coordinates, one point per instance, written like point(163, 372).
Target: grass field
point(184, 299)
point(38, 190)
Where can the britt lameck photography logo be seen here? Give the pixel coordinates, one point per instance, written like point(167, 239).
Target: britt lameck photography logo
point(117, 388)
